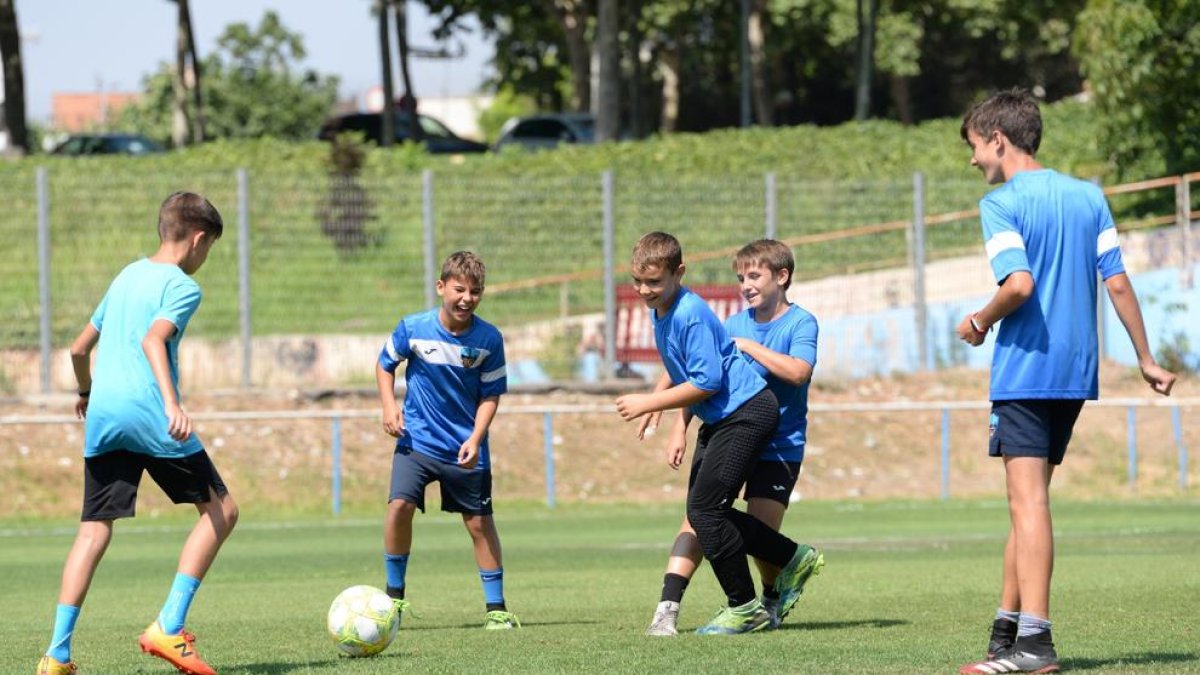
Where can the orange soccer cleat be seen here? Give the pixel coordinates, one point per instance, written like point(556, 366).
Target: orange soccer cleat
point(50, 666)
point(178, 650)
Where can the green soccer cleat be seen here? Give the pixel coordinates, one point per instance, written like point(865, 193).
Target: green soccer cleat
point(746, 618)
point(805, 564)
point(772, 607)
point(501, 620)
point(403, 607)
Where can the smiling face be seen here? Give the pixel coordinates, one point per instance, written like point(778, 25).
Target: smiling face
point(987, 154)
point(656, 286)
point(460, 297)
point(763, 289)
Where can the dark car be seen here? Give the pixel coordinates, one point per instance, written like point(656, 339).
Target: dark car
point(547, 131)
point(107, 144)
point(437, 138)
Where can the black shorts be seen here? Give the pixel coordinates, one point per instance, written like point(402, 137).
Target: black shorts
point(772, 480)
point(1032, 428)
point(464, 490)
point(110, 481)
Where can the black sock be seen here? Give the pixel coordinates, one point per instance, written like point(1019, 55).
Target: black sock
point(395, 593)
point(496, 607)
point(770, 592)
point(673, 587)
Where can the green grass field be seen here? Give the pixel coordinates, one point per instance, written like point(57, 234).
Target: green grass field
point(908, 588)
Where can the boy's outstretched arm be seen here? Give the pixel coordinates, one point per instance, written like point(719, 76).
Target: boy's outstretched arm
point(795, 371)
point(1125, 302)
point(468, 452)
point(154, 344)
point(393, 415)
point(1013, 292)
point(81, 363)
point(632, 406)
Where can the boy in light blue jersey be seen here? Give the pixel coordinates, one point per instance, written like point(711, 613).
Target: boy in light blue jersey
point(1046, 236)
point(779, 340)
point(708, 377)
point(134, 423)
point(455, 376)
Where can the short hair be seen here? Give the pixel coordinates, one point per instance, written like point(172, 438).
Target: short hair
point(1013, 113)
point(657, 249)
point(772, 254)
point(464, 265)
point(185, 212)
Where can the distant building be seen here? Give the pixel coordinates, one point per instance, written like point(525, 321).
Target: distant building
point(459, 113)
point(83, 112)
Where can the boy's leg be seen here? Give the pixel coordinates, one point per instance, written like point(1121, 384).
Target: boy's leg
point(469, 493)
point(411, 473)
point(681, 566)
point(1033, 532)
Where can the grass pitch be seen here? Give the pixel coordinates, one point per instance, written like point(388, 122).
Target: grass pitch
point(908, 588)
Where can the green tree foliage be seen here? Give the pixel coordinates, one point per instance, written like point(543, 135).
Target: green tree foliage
point(252, 85)
point(1141, 58)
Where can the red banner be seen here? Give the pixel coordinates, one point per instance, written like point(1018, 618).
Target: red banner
point(635, 330)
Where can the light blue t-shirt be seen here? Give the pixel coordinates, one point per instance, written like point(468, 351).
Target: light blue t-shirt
point(794, 334)
point(125, 411)
point(696, 348)
point(447, 376)
point(1060, 230)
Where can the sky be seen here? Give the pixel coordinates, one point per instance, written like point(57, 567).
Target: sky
point(81, 46)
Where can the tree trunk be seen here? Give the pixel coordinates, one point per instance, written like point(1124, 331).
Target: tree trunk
point(608, 92)
point(866, 57)
point(635, 78)
point(14, 77)
point(572, 16)
point(387, 115)
point(179, 122)
point(902, 98)
point(763, 107)
point(408, 101)
point(668, 67)
point(198, 121)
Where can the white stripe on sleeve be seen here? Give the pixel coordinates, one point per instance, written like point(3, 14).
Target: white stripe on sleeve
point(391, 350)
point(1107, 241)
point(1003, 241)
point(493, 375)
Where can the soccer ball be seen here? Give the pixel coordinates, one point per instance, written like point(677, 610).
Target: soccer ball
point(363, 621)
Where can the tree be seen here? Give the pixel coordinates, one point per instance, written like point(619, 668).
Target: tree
point(251, 87)
point(608, 102)
point(387, 121)
point(1141, 58)
point(14, 76)
point(187, 78)
point(867, 13)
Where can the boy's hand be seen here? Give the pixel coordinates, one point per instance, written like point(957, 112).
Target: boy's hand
point(1160, 379)
point(468, 454)
point(648, 425)
point(676, 447)
point(967, 333)
point(633, 406)
point(81, 405)
point(393, 421)
point(179, 425)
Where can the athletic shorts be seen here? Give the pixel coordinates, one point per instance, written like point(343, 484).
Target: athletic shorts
point(772, 480)
point(464, 490)
point(1032, 428)
point(110, 481)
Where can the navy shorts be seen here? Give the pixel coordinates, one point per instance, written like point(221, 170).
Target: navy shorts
point(772, 480)
point(1032, 428)
point(110, 481)
point(466, 491)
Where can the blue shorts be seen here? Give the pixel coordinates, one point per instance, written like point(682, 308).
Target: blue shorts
point(463, 490)
point(1032, 428)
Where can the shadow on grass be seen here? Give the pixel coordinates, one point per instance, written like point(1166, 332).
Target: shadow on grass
point(277, 667)
point(834, 625)
point(1142, 659)
point(524, 624)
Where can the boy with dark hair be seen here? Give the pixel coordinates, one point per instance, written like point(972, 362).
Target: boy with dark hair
point(1046, 236)
point(713, 382)
point(779, 340)
point(455, 376)
point(134, 422)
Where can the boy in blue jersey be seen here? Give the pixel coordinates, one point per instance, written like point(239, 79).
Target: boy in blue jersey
point(454, 378)
point(134, 422)
point(711, 380)
point(780, 341)
point(1046, 235)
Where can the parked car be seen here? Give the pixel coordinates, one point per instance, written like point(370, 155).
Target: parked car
point(547, 131)
point(438, 139)
point(107, 144)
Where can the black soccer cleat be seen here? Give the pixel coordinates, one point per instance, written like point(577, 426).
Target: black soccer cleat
point(1030, 654)
point(1004, 635)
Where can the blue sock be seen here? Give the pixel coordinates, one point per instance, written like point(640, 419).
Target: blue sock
point(396, 566)
point(64, 626)
point(175, 609)
point(1014, 617)
point(493, 587)
point(1031, 625)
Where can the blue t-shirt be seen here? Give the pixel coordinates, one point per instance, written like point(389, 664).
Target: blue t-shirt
point(1060, 230)
point(125, 411)
point(794, 334)
point(447, 376)
point(695, 348)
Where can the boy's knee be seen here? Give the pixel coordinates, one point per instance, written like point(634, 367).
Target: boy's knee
point(400, 508)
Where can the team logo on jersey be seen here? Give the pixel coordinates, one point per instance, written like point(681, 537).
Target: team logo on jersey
point(993, 422)
point(469, 356)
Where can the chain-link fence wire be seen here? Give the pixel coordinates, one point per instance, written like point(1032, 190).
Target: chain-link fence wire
point(20, 311)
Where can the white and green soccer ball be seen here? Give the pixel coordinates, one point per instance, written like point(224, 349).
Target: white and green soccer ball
point(363, 621)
